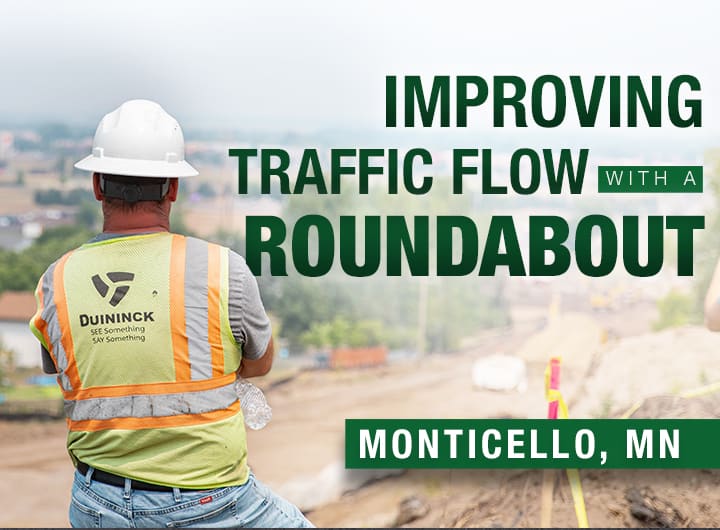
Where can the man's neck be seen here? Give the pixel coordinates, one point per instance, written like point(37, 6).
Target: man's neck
point(126, 226)
point(146, 230)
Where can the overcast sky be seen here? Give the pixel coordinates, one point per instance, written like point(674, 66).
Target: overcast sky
point(313, 65)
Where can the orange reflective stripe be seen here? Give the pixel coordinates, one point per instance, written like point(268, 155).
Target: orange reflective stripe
point(39, 322)
point(217, 355)
point(181, 420)
point(150, 388)
point(62, 313)
point(177, 309)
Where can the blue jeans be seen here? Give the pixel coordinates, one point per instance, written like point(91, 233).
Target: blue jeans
point(97, 505)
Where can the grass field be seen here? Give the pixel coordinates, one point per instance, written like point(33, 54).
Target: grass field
point(30, 393)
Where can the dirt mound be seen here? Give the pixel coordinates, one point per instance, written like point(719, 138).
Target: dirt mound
point(704, 407)
point(630, 498)
point(575, 337)
point(652, 510)
point(636, 368)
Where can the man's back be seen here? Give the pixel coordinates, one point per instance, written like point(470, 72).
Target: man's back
point(148, 355)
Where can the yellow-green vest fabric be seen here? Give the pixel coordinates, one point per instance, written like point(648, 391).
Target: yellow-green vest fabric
point(138, 329)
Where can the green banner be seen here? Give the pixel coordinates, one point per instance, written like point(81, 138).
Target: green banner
point(513, 443)
point(650, 179)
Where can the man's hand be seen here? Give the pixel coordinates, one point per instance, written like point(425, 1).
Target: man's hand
point(261, 366)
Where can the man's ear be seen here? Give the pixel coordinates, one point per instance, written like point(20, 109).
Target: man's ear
point(173, 190)
point(96, 187)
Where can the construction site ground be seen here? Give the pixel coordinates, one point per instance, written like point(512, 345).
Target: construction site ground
point(300, 453)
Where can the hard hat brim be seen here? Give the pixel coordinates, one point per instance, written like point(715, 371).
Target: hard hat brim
point(136, 168)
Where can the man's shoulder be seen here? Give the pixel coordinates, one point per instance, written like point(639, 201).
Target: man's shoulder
point(235, 259)
point(59, 260)
point(202, 241)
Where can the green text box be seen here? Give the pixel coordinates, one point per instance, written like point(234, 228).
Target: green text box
point(650, 179)
point(675, 443)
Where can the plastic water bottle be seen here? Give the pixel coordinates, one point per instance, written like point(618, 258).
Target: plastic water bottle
point(255, 409)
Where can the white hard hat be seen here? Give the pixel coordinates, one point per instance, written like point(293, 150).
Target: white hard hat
point(138, 139)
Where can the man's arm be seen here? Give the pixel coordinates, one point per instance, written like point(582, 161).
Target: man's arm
point(249, 323)
point(712, 302)
point(257, 367)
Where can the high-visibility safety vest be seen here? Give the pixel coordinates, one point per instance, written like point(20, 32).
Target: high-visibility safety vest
point(138, 328)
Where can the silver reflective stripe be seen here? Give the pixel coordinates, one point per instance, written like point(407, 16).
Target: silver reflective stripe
point(152, 405)
point(196, 308)
point(49, 315)
point(65, 381)
point(236, 277)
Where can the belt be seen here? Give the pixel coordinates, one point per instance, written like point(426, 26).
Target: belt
point(117, 480)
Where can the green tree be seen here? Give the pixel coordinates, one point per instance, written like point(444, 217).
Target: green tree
point(675, 309)
point(366, 333)
point(20, 271)
point(177, 221)
point(89, 214)
point(342, 332)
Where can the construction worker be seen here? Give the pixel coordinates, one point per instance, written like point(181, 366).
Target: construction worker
point(147, 330)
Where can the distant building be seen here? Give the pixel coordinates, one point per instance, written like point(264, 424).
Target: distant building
point(6, 144)
point(16, 309)
point(31, 230)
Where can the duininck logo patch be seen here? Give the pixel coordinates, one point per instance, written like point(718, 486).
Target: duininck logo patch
point(114, 278)
point(116, 318)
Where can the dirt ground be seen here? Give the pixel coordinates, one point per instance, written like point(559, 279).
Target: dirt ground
point(296, 453)
point(504, 498)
